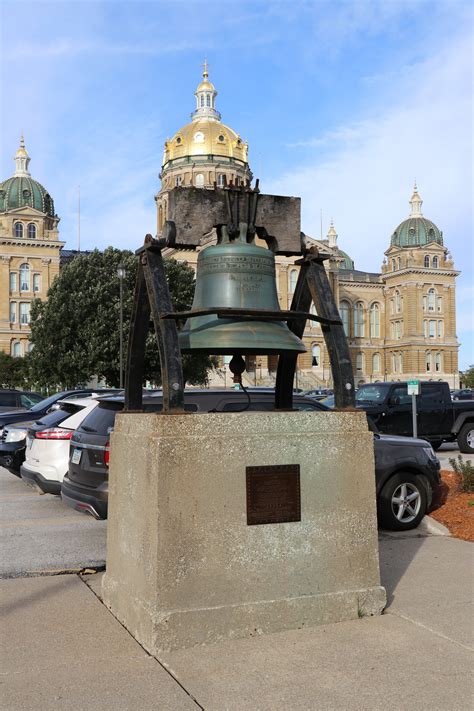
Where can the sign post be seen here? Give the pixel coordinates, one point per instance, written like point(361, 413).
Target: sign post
point(414, 390)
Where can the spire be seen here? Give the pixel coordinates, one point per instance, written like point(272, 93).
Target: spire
point(205, 97)
point(332, 235)
point(416, 202)
point(22, 159)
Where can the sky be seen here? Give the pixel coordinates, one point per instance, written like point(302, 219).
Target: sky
point(344, 104)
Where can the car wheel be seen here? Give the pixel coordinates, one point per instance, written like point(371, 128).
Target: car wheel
point(402, 502)
point(466, 438)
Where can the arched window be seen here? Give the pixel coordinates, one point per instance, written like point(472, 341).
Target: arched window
point(394, 265)
point(16, 349)
point(426, 261)
point(31, 231)
point(18, 227)
point(359, 324)
point(376, 363)
point(431, 299)
point(398, 302)
point(199, 180)
point(345, 310)
point(30, 347)
point(438, 363)
point(293, 279)
point(202, 99)
point(12, 312)
point(315, 356)
point(313, 311)
point(24, 277)
point(375, 321)
point(208, 99)
point(360, 362)
point(178, 180)
point(428, 361)
point(435, 262)
point(221, 180)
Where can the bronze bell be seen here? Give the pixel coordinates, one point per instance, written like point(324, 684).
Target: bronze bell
point(238, 275)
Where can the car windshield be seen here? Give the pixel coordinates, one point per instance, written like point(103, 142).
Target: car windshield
point(372, 393)
point(42, 404)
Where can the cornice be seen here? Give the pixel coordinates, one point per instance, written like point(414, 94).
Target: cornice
point(31, 243)
point(420, 270)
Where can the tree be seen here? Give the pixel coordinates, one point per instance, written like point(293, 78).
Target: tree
point(467, 377)
point(75, 333)
point(14, 372)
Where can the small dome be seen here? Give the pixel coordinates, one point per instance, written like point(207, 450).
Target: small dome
point(21, 190)
point(416, 231)
point(348, 262)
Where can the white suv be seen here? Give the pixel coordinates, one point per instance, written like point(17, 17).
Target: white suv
point(47, 444)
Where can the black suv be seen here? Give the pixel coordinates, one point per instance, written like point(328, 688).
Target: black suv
point(18, 399)
point(406, 469)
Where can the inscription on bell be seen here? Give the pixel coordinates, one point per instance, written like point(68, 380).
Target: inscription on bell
point(236, 263)
point(273, 494)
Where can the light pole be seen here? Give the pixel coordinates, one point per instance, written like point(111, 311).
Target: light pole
point(121, 275)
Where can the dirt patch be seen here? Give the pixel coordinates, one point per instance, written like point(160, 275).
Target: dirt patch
point(453, 507)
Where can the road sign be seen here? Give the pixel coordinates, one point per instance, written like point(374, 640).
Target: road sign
point(413, 387)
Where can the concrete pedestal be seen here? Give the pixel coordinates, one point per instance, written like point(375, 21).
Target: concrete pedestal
point(183, 566)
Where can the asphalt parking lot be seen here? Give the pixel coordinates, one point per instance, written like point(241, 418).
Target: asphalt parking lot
point(40, 535)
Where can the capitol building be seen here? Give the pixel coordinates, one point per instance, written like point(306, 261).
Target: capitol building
point(400, 322)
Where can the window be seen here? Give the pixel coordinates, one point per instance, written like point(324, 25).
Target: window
point(394, 363)
point(313, 311)
point(376, 363)
point(316, 356)
point(344, 310)
point(400, 362)
point(18, 227)
point(425, 328)
point(392, 306)
point(435, 262)
point(426, 261)
point(440, 329)
point(208, 99)
point(360, 362)
point(177, 181)
point(431, 299)
point(375, 321)
point(359, 325)
point(425, 303)
point(439, 302)
point(221, 180)
point(12, 312)
point(398, 302)
point(36, 282)
point(31, 231)
point(394, 265)
point(24, 277)
point(202, 99)
point(398, 330)
point(13, 284)
point(399, 262)
point(16, 349)
point(24, 313)
point(428, 361)
point(438, 367)
point(401, 393)
point(293, 279)
point(432, 329)
point(199, 180)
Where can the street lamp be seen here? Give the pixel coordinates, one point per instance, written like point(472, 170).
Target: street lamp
point(121, 274)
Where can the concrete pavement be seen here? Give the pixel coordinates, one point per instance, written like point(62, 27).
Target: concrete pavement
point(61, 648)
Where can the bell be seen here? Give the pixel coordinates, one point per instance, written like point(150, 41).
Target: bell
point(238, 275)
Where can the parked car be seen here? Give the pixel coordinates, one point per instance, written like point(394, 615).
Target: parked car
point(47, 448)
point(406, 469)
point(464, 394)
point(85, 486)
point(18, 400)
point(318, 393)
point(13, 436)
point(439, 419)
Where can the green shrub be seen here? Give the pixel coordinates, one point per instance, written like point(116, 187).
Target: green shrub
point(466, 472)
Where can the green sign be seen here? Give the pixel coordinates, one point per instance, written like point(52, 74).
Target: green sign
point(413, 387)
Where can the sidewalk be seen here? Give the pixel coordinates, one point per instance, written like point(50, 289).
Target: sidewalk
point(62, 649)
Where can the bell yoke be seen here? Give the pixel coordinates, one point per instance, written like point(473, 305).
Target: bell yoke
point(235, 309)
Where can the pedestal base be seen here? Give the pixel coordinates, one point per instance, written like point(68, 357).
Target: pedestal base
point(183, 565)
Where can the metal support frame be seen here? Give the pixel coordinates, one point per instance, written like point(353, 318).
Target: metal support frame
point(152, 297)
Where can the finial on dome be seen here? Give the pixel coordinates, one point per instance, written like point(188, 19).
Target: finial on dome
point(332, 234)
point(22, 159)
point(416, 202)
point(205, 65)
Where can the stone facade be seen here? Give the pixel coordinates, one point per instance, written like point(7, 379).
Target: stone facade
point(29, 252)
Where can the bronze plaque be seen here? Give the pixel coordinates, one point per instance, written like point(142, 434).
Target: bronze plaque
point(273, 494)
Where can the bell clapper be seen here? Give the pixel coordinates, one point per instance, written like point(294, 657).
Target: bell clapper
point(237, 367)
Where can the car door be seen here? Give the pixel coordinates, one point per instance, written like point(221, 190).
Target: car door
point(398, 417)
point(432, 418)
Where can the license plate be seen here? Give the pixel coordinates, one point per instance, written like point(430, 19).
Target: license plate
point(76, 456)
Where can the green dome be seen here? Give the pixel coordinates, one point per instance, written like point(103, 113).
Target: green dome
point(415, 232)
point(348, 262)
point(23, 191)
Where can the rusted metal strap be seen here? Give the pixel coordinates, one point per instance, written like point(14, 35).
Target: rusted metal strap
point(254, 314)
